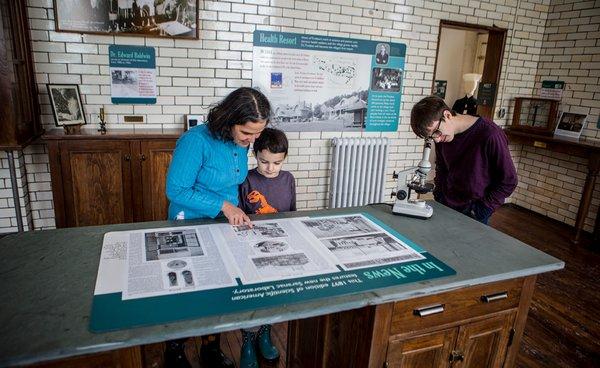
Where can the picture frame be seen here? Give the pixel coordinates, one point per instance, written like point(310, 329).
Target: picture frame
point(143, 18)
point(570, 125)
point(192, 121)
point(67, 107)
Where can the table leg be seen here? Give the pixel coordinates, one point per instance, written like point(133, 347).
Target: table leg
point(586, 197)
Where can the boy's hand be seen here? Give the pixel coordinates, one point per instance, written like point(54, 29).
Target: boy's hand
point(235, 215)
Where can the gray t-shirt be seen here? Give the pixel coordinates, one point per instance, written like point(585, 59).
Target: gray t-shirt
point(260, 195)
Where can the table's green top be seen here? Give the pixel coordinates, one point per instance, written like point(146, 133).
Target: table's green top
point(48, 280)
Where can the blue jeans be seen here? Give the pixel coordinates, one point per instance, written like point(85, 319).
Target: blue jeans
point(479, 212)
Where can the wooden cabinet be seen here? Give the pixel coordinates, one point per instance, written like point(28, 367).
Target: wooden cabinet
point(477, 326)
point(109, 179)
point(19, 109)
point(477, 344)
point(427, 350)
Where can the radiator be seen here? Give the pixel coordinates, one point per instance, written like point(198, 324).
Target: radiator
point(357, 171)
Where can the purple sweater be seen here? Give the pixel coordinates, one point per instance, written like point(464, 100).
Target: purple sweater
point(262, 195)
point(475, 168)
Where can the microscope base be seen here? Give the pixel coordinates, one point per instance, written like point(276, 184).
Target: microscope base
point(414, 209)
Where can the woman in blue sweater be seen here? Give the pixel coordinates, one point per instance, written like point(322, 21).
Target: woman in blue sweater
point(210, 161)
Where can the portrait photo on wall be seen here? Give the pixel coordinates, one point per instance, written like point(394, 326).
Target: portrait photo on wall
point(386, 79)
point(66, 104)
point(152, 18)
point(382, 53)
point(570, 124)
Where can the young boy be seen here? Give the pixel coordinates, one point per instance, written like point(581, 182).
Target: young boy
point(267, 189)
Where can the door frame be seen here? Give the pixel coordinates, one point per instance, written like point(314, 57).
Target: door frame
point(494, 56)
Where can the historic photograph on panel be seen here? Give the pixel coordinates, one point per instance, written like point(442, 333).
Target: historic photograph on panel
point(271, 246)
point(66, 104)
point(259, 231)
point(386, 79)
point(365, 246)
point(339, 226)
point(172, 244)
point(154, 18)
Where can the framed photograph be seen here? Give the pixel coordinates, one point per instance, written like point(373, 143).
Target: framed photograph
point(148, 18)
point(570, 125)
point(66, 104)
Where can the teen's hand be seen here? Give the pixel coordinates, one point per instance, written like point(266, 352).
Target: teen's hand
point(235, 215)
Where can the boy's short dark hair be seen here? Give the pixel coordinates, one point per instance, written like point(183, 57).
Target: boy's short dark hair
point(273, 140)
point(425, 111)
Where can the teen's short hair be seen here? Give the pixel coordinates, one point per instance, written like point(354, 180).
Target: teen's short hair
point(240, 106)
point(273, 140)
point(425, 111)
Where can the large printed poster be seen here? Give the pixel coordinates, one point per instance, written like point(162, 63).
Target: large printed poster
point(218, 268)
point(322, 83)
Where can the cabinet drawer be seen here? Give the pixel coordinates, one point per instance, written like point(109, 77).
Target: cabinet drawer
point(416, 314)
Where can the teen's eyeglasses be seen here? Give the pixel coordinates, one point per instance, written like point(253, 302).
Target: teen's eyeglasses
point(437, 132)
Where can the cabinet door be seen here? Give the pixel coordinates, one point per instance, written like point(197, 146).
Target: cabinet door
point(430, 350)
point(96, 177)
point(155, 156)
point(484, 343)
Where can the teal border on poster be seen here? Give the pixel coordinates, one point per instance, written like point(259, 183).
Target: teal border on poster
point(110, 313)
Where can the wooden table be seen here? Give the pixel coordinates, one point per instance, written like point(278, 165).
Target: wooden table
point(48, 282)
point(578, 147)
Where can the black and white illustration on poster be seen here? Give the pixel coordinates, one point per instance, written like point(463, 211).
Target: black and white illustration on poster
point(319, 83)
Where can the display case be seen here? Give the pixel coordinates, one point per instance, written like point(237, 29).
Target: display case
point(537, 115)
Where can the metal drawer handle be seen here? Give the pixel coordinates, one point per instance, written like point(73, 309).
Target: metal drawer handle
point(426, 311)
point(493, 297)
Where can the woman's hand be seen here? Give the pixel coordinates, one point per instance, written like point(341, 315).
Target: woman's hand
point(235, 215)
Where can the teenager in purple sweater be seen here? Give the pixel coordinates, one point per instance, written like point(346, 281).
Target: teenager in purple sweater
point(474, 172)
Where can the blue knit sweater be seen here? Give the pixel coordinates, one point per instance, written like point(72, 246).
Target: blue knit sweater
point(204, 172)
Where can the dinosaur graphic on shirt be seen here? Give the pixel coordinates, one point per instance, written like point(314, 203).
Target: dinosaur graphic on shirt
point(255, 197)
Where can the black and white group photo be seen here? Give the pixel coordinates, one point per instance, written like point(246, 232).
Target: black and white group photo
point(160, 18)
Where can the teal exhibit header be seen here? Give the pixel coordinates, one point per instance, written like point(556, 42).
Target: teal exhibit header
point(322, 43)
point(131, 56)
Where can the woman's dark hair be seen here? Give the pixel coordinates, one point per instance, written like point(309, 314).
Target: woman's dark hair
point(240, 106)
point(273, 140)
point(425, 111)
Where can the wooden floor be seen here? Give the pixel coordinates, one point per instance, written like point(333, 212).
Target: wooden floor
point(563, 327)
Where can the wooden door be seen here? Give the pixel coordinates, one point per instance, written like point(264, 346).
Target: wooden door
point(96, 179)
point(431, 350)
point(484, 344)
point(155, 158)
point(492, 67)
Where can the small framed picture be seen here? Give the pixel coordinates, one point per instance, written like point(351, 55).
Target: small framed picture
point(193, 120)
point(66, 104)
point(570, 125)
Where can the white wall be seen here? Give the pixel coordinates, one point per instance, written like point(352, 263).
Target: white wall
point(551, 183)
point(194, 74)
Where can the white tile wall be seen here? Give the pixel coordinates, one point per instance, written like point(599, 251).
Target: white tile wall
point(552, 183)
point(194, 74)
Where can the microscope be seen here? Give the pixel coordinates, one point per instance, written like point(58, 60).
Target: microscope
point(410, 180)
